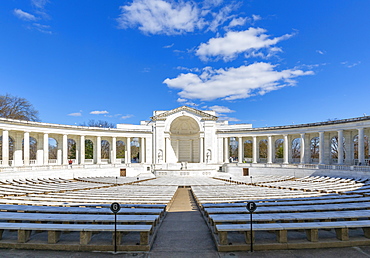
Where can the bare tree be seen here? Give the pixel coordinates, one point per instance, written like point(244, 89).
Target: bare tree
point(314, 146)
point(105, 145)
point(17, 108)
point(296, 148)
point(334, 147)
point(99, 123)
point(71, 149)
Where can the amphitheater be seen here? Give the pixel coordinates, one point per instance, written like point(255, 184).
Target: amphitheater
point(310, 182)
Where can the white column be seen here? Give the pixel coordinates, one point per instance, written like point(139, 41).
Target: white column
point(26, 149)
point(65, 149)
point(113, 150)
point(142, 150)
point(177, 152)
point(97, 157)
point(191, 150)
point(40, 149)
point(240, 150)
point(361, 146)
point(340, 147)
point(46, 148)
point(286, 149)
point(128, 150)
point(307, 148)
point(255, 150)
point(303, 148)
point(17, 158)
point(5, 148)
point(82, 149)
point(269, 149)
point(321, 148)
point(201, 150)
point(60, 151)
point(226, 149)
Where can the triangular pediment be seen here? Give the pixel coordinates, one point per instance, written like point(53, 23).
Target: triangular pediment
point(202, 114)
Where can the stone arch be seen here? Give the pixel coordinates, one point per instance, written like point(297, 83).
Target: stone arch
point(248, 151)
point(33, 148)
point(334, 149)
point(89, 149)
point(233, 148)
point(120, 150)
point(185, 140)
point(72, 149)
point(176, 118)
point(105, 149)
point(279, 151)
point(262, 153)
point(355, 147)
point(135, 150)
point(53, 148)
point(315, 149)
point(296, 150)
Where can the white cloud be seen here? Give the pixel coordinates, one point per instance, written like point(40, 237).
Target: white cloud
point(221, 109)
point(321, 52)
point(188, 69)
point(126, 116)
point(219, 18)
point(234, 83)
point(99, 112)
point(220, 112)
point(169, 46)
point(187, 102)
point(161, 17)
point(75, 114)
point(237, 22)
point(230, 119)
point(256, 17)
point(37, 14)
point(39, 3)
point(236, 42)
point(171, 17)
point(42, 28)
point(350, 65)
point(24, 15)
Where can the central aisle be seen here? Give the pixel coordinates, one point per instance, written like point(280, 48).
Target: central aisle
point(183, 230)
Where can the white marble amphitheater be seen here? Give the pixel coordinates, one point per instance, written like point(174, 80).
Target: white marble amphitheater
point(311, 184)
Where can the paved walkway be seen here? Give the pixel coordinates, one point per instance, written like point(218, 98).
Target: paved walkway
point(183, 231)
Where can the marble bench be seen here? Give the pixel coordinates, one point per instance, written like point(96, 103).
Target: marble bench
point(298, 208)
point(78, 218)
point(289, 203)
point(78, 210)
point(215, 219)
point(311, 228)
point(86, 231)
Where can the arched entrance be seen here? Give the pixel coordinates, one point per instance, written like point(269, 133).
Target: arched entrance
point(184, 134)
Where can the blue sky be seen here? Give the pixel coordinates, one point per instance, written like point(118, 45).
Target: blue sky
point(263, 62)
